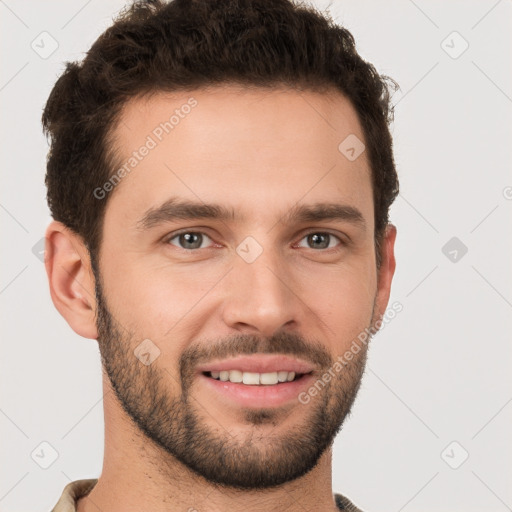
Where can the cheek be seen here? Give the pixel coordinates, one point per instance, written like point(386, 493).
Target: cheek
point(150, 299)
point(344, 301)
point(154, 304)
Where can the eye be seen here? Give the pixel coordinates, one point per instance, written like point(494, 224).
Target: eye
point(189, 240)
point(321, 240)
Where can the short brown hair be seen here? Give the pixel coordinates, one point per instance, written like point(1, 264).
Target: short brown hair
point(185, 44)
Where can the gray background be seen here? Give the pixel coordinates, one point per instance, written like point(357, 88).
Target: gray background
point(438, 382)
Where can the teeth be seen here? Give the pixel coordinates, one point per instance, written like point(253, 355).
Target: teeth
point(236, 376)
point(282, 376)
point(252, 378)
point(268, 378)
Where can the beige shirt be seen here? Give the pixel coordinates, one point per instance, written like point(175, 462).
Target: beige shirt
point(78, 488)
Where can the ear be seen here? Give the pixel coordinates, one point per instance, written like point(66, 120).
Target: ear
point(386, 271)
point(71, 279)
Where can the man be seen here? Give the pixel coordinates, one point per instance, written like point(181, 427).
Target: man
point(220, 176)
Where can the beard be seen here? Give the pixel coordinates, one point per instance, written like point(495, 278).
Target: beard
point(180, 426)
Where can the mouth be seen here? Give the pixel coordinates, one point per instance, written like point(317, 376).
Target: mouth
point(254, 390)
point(255, 378)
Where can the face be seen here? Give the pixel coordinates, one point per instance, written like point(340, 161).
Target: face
point(241, 241)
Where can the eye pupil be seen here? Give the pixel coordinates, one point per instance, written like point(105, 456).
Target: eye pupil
point(316, 237)
point(188, 238)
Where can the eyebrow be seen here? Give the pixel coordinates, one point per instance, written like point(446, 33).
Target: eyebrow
point(325, 211)
point(175, 209)
point(182, 209)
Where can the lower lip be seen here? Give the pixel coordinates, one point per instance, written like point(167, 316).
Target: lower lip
point(257, 396)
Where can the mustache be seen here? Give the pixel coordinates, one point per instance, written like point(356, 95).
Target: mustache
point(282, 343)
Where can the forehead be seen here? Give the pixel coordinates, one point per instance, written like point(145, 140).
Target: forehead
point(236, 145)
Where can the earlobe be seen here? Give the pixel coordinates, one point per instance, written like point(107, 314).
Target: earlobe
point(71, 279)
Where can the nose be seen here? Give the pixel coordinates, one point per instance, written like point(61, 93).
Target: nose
point(259, 297)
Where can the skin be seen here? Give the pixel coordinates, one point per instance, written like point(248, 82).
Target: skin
point(260, 152)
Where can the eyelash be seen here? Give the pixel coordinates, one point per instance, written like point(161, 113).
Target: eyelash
point(342, 243)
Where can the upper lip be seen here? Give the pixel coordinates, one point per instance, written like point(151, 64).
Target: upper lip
point(259, 364)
